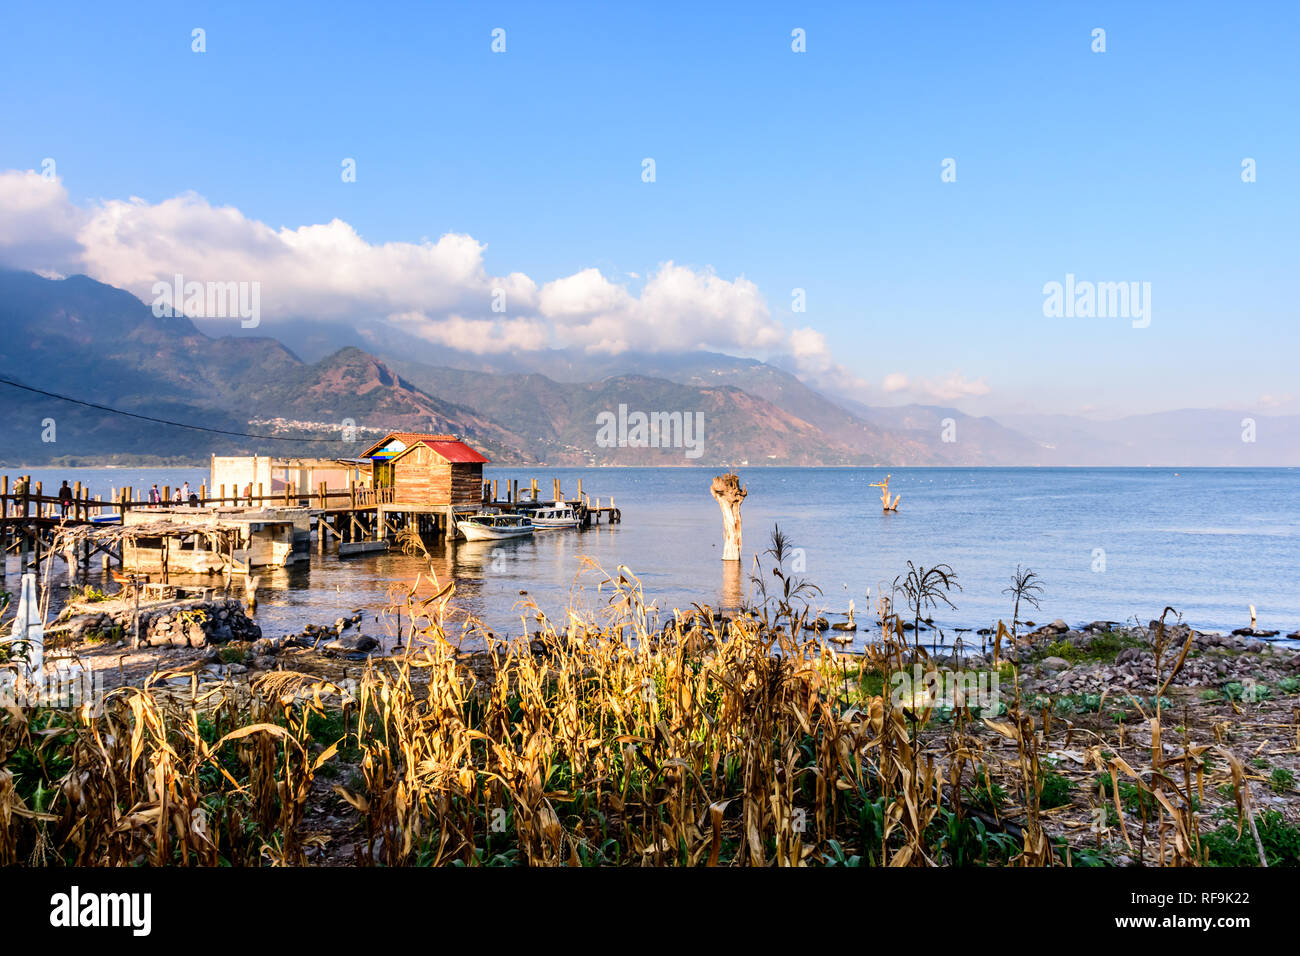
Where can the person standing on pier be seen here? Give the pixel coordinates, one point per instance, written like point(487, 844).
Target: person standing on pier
point(65, 498)
point(20, 490)
point(185, 492)
point(155, 496)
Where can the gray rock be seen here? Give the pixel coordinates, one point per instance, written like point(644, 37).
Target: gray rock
point(221, 634)
point(1054, 663)
point(353, 643)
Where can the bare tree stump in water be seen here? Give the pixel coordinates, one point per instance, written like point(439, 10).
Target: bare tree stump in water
point(884, 494)
point(731, 597)
point(729, 494)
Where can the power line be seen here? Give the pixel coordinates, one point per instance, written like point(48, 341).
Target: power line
point(161, 421)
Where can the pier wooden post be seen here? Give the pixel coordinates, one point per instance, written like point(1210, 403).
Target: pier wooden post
point(4, 524)
point(20, 509)
point(36, 529)
point(729, 494)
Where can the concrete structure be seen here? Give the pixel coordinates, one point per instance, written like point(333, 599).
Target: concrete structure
point(213, 540)
point(273, 475)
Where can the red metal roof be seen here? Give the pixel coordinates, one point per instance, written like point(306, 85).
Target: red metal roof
point(449, 447)
point(456, 451)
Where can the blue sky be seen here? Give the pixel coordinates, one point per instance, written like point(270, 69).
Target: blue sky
point(818, 170)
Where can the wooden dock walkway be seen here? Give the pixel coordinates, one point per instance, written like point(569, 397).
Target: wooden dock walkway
point(30, 518)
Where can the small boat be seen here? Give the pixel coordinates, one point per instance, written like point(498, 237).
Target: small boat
point(558, 515)
point(490, 527)
point(349, 548)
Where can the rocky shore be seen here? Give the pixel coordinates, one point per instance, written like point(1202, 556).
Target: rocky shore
point(192, 623)
point(1107, 657)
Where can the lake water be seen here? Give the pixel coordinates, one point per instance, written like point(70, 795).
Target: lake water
point(1108, 543)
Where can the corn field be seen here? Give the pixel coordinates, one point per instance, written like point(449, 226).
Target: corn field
point(605, 740)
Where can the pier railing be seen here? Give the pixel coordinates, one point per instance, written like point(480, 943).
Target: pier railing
point(25, 499)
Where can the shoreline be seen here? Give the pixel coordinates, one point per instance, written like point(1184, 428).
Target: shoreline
point(1050, 770)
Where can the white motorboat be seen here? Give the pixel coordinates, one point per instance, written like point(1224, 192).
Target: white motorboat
point(557, 515)
point(490, 527)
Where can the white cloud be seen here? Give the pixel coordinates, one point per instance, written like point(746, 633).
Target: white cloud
point(325, 271)
point(807, 344)
point(678, 308)
point(38, 225)
point(477, 336)
point(440, 290)
point(953, 387)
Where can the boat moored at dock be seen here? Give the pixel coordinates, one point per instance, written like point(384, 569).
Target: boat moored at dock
point(490, 527)
point(558, 515)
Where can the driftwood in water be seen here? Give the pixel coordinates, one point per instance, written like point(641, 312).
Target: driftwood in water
point(729, 494)
point(884, 494)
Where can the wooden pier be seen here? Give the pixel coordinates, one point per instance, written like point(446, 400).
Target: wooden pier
point(30, 516)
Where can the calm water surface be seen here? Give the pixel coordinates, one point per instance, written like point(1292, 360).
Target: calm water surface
point(1108, 543)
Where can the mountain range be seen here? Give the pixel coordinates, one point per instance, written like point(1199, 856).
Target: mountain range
point(291, 378)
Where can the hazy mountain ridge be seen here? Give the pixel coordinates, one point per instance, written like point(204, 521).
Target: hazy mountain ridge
point(562, 419)
point(88, 340)
point(98, 343)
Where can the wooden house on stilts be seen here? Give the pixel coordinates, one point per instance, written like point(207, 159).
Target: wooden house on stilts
point(436, 475)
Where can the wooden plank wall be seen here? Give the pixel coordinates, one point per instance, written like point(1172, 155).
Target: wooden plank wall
point(422, 477)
